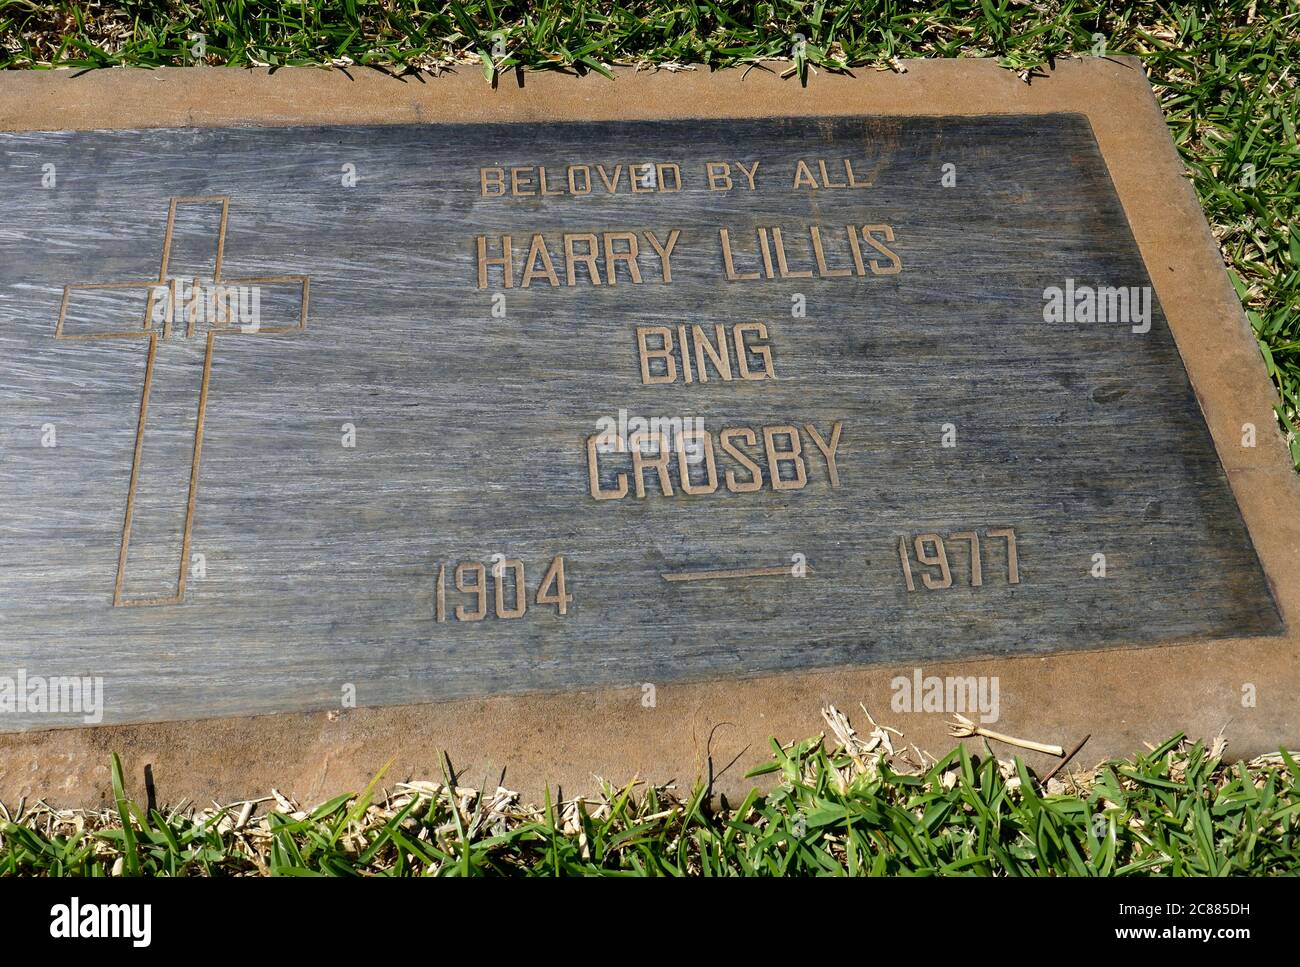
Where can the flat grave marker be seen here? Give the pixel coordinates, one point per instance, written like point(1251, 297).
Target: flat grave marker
point(326, 394)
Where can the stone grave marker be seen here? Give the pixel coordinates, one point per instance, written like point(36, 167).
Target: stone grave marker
point(560, 424)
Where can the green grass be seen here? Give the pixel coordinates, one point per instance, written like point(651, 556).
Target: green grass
point(1178, 810)
point(1224, 72)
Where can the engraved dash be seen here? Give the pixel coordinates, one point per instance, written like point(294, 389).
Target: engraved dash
point(744, 572)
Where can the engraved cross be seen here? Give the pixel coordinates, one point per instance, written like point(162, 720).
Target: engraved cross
point(189, 299)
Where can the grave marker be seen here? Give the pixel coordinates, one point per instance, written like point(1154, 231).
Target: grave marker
point(686, 393)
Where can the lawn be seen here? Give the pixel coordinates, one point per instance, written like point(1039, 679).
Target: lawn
point(848, 805)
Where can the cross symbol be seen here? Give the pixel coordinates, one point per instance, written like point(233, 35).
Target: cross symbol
point(189, 298)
